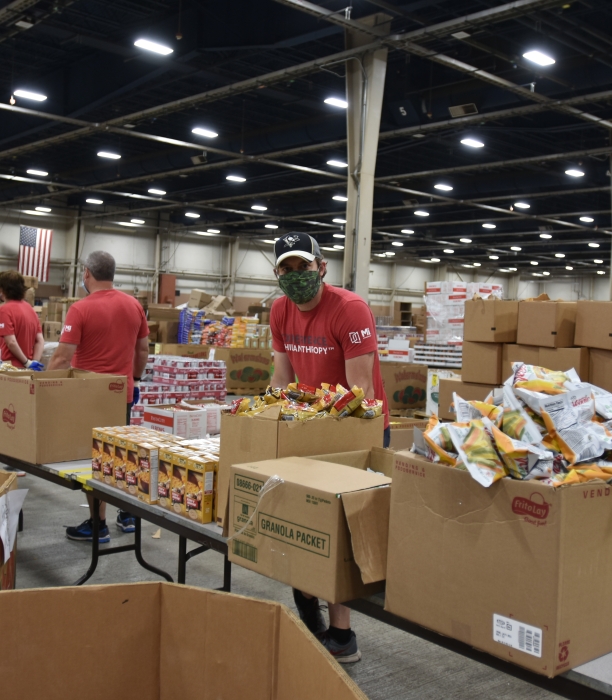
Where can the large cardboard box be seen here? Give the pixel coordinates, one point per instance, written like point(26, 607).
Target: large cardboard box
point(52, 330)
point(404, 384)
point(198, 299)
point(264, 437)
point(466, 390)
point(503, 568)
point(528, 354)
point(594, 324)
point(600, 368)
point(549, 324)
point(30, 281)
point(434, 377)
point(8, 570)
point(322, 529)
point(481, 363)
point(167, 331)
point(182, 350)
point(378, 459)
point(162, 641)
point(188, 423)
point(402, 431)
point(491, 321)
point(48, 416)
point(565, 358)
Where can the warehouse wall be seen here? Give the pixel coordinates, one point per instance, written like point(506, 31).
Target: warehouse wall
point(204, 262)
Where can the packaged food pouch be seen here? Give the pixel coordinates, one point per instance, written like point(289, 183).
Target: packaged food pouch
point(324, 400)
point(577, 439)
point(435, 440)
point(344, 406)
point(542, 379)
point(337, 392)
point(580, 476)
point(603, 432)
point(240, 406)
point(515, 421)
point(273, 395)
point(602, 398)
point(536, 418)
point(465, 410)
point(301, 392)
point(477, 452)
point(369, 408)
point(580, 397)
point(524, 461)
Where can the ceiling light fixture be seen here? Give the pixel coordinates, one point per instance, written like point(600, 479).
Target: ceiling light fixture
point(212, 230)
point(522, 205)
point(516, 248)
point(338, 235)
point(465, 240)
point(559, 255)
point(593, 245)
point(337, 164)
point(538, 57)
point(153, 46)
point(435, 260)
point(407, 231)
point(534, 262)
point(339, 221)
point(572, 172)
point(476, 264)
point(235, 178)
point(587, 219)
point(202, 233)
point(569, 267)
point(338, 247)
point(94, 201)
point(473, 143)
point(153, 190)
point(545, 235)
point(546, 273)
point(390, 253)
point(340, 198)
point(601, 272)
point(444, 188)
point(421, 212)
point(40, 173)
point(137, 221)
point(267, 240)
point(29, 95)
point(493, 257)
point(489, 226)
point(108, 154)
point(598, 262)
point(336, 102)
point(449, 251)
point(399, 244)
point(45, 210)
point(270, 226)
point(192, 215)
point(126, 223)
point(205, 132)
point(259, 207)
point(33, 212)
point(512, 269)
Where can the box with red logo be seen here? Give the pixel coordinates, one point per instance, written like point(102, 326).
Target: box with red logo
point(520, 570)
point(183, 421)
point(49, 416)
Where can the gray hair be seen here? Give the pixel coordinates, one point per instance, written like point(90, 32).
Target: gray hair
point(101, 265)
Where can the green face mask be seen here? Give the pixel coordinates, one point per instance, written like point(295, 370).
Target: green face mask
point(301, 286)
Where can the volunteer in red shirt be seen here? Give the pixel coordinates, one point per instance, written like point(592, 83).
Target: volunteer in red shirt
point(21, 337)
point(322, 334)
point(106, 332)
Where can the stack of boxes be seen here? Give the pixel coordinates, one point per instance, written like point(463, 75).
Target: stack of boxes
point(53, 316)
point(176, 474)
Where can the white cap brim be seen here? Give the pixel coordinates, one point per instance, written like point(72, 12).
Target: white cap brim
point(309, 257)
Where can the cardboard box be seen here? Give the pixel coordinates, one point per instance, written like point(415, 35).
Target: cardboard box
point(131, 469)
point(565, 358)
point(198, 299)
point(402, 430)
point(482, 363)
point(378, 459)
point(178, 484)
point(52, 330)
point(30, 296)
point(550, 324)
point(187, 423)
point(502, 568)
point(263, 652)
point(434, 377)
point(8, 570)
point(594, 324)
point(322, 530)
point(30, 281)
point(199, 488)
point(148, 471)
point(49, 416)
point(167, 331)
point(153, 331)
point(404, 384)
point(491, 321)
point(467, 391)
point(528, 354)
point(163, 312)
point(264, 437)
point(600, 368)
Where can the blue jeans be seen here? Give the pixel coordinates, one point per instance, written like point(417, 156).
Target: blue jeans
point(387, 437)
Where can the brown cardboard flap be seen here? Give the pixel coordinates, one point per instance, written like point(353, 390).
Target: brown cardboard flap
point(367, 514)
point(271, 413)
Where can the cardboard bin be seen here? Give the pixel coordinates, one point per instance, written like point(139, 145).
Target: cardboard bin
point(594, 324)
point(491, 321)
point(49, 416)
point(8, 570)
point(264, 437)
point(467, 391)
point(481, 363)
point(520, 570)
point(161, 641)
point(378, 459)
point(405, 384)
point(402, 430)
point(547, 324)
point(322, 530)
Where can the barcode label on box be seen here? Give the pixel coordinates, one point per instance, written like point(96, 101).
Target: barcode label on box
point(517, 635)
point(244, 550)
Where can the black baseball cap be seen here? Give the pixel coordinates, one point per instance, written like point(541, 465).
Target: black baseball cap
point(296, 244)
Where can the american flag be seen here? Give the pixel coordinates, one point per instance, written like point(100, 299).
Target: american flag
point(35, 251)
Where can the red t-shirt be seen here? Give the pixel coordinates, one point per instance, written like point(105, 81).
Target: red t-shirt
point(317, 342)
point(105, 327)
point(18, 318)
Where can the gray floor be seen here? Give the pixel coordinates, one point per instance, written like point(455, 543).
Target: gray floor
point(395, 664)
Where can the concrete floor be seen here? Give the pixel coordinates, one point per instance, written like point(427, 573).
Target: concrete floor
point(395, 665)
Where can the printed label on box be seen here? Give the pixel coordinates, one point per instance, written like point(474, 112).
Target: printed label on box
point(517, 635)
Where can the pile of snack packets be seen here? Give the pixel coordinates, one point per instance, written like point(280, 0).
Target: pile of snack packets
point(303, 402)
point(541, 424)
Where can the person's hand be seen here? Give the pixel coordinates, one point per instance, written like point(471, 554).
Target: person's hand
point(34, 365)
point(136, 398)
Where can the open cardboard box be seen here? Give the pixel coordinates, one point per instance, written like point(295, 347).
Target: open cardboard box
point(8, 570)
point(160, 641)
point(322, 528)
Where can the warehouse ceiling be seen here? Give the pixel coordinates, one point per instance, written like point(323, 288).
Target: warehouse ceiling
point(257, 74)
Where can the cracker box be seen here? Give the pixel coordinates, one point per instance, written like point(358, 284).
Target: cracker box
point(148, 471)
point(97, 451)
point(108, 458)
point(178, 484)
point(164, 479)
point(199, 488)
point(119, 463)
point(131, 468)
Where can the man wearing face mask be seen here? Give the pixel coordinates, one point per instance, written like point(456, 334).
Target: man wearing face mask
point(322, 334)
point(105, 332)
point(21, 338)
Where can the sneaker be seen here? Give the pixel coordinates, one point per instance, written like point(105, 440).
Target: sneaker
point(343, 653)
point(125, 521)
point(84, 532)
point(310, 613)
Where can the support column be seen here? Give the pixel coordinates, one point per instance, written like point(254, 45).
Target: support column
point(233, 255)
point(74, 239)
point(513, 287)
point(365, 83)
point(610, 173)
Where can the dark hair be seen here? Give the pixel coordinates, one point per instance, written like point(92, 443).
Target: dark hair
point(101, 265)
point(12, 285)
point(319, 261)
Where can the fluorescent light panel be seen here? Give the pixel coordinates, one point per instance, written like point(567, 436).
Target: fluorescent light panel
point(153, 46)
point(336, 102)
point(235, 178)
point(108, 154)
point(29, 95)
point(539, 57)
point(153, 190)
point(473, 143)
point(205, 132)
point(40, 173)
point(94, 201)
point(337, 164)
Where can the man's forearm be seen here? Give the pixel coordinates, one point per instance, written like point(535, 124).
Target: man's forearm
point(16, 351)
point(39, 347)
point(140, 362)
point(58, 362)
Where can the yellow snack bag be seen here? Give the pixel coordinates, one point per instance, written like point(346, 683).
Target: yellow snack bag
point(524, 461)
point(477, 452)
point(369, 408)
point(344, 406)
point(541, 379)
point(438, 441)
point(580, 476)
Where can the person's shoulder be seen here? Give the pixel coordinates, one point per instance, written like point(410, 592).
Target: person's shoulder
point(342, 297)
point(278, 305)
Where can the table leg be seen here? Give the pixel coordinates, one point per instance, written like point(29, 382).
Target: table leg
point(139, 557)
point(95, 544)
point(182, 560)
point(227, 575)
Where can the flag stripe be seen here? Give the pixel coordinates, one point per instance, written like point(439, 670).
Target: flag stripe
point(35, 252)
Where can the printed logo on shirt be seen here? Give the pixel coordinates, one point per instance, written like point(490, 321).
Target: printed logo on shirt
point(1, 325)
point(314, 344)
point(355, 337)
point(66, 329)
point(366, 333)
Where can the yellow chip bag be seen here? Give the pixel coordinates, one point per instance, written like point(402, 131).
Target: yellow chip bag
point(344, 406)
point(477, 452)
